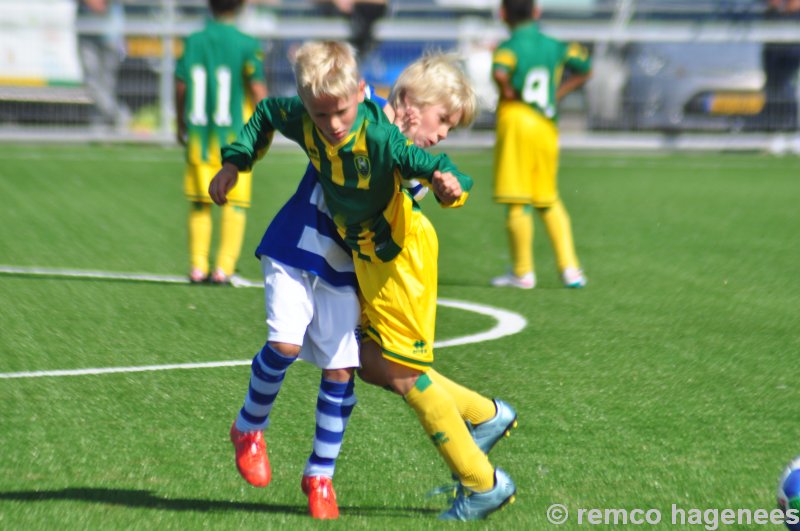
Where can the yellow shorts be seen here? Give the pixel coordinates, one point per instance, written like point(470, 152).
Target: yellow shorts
point(198, 177)
point(525, 156)
point(399, 297)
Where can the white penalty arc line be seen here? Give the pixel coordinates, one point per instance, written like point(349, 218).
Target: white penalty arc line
point(508, 323)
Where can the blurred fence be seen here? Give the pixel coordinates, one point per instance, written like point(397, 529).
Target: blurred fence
point(684, 74)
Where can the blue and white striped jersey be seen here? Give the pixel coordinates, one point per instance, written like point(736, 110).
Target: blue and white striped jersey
point(303, 234)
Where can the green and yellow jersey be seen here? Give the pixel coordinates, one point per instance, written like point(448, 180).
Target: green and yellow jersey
point(360, 177)
point(217, 65)
point(536, 64)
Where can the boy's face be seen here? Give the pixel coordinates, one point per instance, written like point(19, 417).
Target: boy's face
point(431, 125)
point(334, 117)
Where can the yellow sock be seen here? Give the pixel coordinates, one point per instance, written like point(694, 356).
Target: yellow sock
point(199, 235)
point(439, 417)
point(231, 237)
point(559, 228)
point(519, 223)
point(472, 406)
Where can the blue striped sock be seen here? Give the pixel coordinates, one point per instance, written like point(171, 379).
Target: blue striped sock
point(335, 402)
point(267, 372)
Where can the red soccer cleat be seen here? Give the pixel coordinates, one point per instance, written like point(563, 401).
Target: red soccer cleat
point(251, 456)
point(321, 497)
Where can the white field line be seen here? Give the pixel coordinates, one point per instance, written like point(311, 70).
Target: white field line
point(112, 370)
point(237, 282)
point(508, 323)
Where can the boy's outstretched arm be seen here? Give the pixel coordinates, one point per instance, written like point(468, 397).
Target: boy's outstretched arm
point(450, 186)
point(254, 139)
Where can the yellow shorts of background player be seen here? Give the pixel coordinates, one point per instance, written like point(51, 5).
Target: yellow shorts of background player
point(399, 297)
point(198, 176)
point(526, 156)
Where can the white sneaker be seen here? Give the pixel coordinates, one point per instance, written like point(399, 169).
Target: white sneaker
point(573, 278)
point(510, 280)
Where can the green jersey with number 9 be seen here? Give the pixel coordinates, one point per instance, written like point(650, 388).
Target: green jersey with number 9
point(216, 65)
point(536, 63)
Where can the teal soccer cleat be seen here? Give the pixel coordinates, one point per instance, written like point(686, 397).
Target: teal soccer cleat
point(486, 434)
point(470, 505)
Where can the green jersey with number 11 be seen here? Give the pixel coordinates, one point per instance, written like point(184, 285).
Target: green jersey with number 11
point(216, 65)
point(536, 63)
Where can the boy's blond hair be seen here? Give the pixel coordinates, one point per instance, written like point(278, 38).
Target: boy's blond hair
point(437, 79)
point(326, 68)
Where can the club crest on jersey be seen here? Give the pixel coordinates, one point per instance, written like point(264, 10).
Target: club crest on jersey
point(313, 154)
point(362, 165)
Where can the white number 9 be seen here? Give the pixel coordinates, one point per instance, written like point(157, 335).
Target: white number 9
point(536, 90)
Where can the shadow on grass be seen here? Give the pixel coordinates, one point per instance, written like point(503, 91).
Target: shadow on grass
point(148, 500)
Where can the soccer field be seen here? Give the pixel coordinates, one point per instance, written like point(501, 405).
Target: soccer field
point(671, 380)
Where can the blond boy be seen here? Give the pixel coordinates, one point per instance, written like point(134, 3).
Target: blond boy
point(361, 160)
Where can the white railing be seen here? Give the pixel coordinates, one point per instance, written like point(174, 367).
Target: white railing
point(628, 38)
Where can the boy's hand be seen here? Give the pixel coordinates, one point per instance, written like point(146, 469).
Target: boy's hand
point(223, 181)
point(411, 119)
point(446, 187)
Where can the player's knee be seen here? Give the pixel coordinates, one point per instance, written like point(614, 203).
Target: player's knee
point(285, 349)
point(338, 375)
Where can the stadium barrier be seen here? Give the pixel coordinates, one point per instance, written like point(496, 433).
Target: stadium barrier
point(672, 76)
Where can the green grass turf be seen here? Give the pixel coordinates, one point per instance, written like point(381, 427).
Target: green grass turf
point(671, 379)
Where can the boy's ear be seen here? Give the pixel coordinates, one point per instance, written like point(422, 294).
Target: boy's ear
point(537, 12)
point(362, 87)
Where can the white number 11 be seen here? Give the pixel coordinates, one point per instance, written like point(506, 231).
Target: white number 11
point(222, 113)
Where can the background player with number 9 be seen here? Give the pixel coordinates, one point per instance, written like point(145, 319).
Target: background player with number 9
point(219, 80)
point(527, 69)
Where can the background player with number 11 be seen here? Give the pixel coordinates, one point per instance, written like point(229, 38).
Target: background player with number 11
point(218, 81)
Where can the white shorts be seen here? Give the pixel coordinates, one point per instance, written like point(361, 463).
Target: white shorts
point(303, 309)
